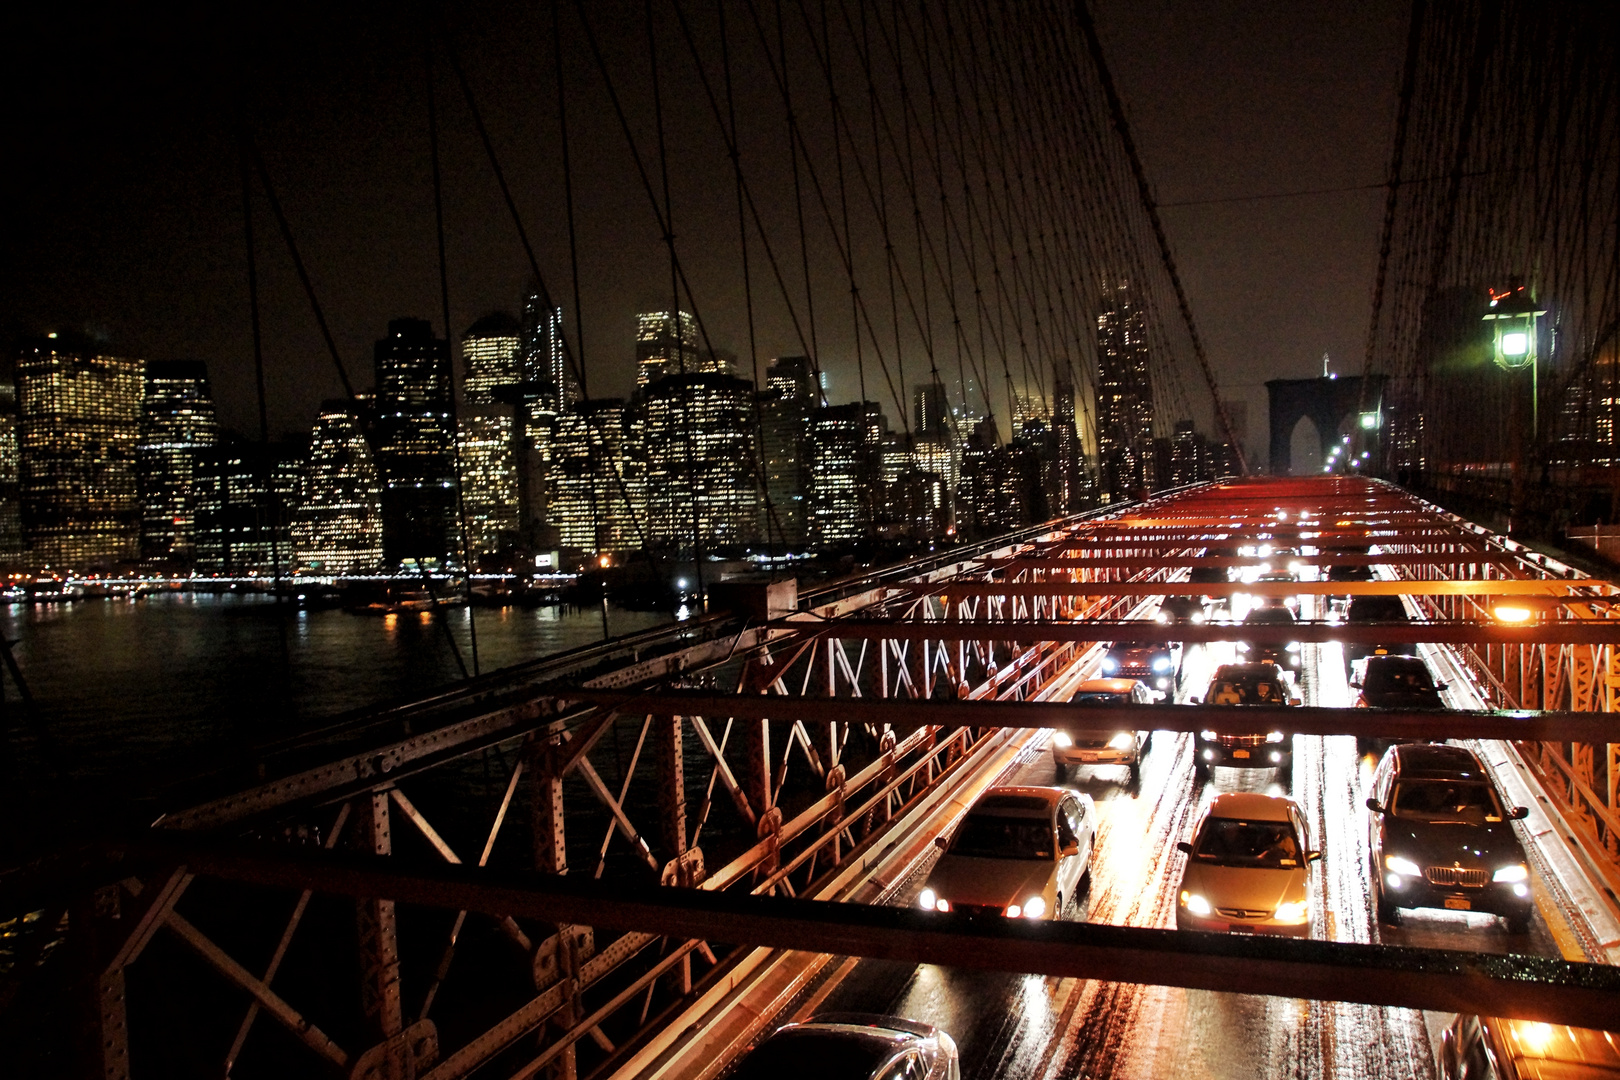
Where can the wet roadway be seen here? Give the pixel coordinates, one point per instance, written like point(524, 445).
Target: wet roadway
point(1012, 1026)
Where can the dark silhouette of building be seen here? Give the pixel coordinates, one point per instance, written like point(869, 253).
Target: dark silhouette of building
point(411, 434)
point(79, 425)
point(792, 393)
point(177, 422)
point(243, 501)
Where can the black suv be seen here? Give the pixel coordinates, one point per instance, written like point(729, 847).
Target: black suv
point(1440, 836)
point(1375, 609)
point(1285, 654)
point(1393, 682)
point(1248, 741)
point(1156, 663)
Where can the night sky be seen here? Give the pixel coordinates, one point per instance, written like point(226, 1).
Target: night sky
point(125, 197)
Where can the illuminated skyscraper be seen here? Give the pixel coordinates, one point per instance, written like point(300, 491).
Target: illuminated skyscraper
point(1124, 395)
point(666, 344)
point(243, 499)
point(489, 357)
point(412, 436)
point(544, 363)
point(177, 421)
point(338, 526)
point(701, 481)
point(11, 539)
point(843, 454)
point(490, 445)
point(79, 426)
point(599, 494)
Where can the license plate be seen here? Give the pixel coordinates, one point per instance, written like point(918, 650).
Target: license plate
point(1459, 903)
point(1240, 753)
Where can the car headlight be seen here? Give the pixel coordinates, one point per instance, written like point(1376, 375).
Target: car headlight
point(1517, 872)
point(1014, 911)
point(1293, 646)
point(1034, 907)
point(1061, 738)
point(1402, 866)
point(1109, 665)
point(1295, 911)
point(927, 899)
point(1195, 903)
point(1242, 646)
point(1199, 618)
point(1162, 664)
point(1275, 736)
point(1208, 736)
point(1161, 618)
point(1125, 740)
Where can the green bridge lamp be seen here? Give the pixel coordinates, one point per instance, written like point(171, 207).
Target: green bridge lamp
point(1513, 313)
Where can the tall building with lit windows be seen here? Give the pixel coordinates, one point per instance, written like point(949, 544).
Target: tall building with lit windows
point(412, 433)
point(338, 526)
point(1124, 395)
point(844, 462)
point(490, 357)
point(11, 538)
point(79, 417)
point(543, 357)
point(599, 492)
point(177, 421)
point(666, 344)
point(490, 439)
point(701, 460)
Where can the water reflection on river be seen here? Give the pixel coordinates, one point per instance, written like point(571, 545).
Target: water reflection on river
point(129, 688)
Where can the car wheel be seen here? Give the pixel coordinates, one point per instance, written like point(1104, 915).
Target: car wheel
point(1136, 773)
point(1057, 909)
point(1061, 770)
point(1388, 913)
point(1518, 924)
point(1286, 774)
point(1201, 770)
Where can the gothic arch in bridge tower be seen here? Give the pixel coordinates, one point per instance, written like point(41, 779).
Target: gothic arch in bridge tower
point(1331, 405)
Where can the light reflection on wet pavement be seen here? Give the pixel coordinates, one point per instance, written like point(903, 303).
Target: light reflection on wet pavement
point(1015, 1026)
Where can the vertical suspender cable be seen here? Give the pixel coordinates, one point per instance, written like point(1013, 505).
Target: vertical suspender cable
point(450, 362)
point(591, 448)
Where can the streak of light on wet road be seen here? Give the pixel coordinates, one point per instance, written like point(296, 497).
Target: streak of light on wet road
point(1011, 1026)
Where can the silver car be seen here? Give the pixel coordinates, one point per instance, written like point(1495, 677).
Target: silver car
point(1248, 868)
point(1020, 852)
point(853, 1046)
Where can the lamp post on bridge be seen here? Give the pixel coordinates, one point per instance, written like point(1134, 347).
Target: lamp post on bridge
point(1512, 315)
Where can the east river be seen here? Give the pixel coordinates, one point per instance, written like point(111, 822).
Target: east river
point(131, 695)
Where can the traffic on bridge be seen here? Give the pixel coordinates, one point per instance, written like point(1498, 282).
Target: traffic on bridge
point(875, 800)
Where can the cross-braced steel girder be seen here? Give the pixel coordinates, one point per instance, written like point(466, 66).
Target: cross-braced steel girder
point(773, 759)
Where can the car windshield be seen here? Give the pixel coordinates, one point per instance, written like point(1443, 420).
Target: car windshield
point(1100, 697)
point(993, 836)
point(1389, 679)
point(1245, 692)
point(1445, 800)
point(1269, 615)
point(1229, 842)
point(1377, 609)
point(815, 1055)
